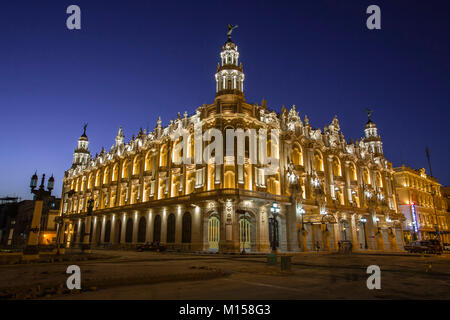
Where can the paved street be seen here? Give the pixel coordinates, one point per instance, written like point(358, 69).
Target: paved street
point(148, 275)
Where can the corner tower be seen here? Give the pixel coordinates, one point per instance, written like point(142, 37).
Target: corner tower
point(229, 76)
point(81, 155)
point(372, 139)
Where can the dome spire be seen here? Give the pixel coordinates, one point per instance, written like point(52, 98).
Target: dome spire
point(230, 30)
point(82, 154)
point(229, 76)
point(372, 137)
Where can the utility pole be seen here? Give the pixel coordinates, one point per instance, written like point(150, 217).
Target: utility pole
point(433, 193)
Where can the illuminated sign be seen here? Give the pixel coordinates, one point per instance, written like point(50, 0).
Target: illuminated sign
point(414, 217)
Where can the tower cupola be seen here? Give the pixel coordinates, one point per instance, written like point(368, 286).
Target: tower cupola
point(81, 155)
point(229, 76)
point(372, 139)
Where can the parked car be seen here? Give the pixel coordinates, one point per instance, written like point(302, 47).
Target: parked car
point(154, 246)
point(416, 246)
point(424, 246)
point(435, 246)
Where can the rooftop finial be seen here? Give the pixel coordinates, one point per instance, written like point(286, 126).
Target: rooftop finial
point(369, 113)
point(230, 30)
point(84, 130)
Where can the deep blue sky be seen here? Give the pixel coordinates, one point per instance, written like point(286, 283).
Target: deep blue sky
point(135, 60)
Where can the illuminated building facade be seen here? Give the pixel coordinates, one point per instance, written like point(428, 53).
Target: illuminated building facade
point(328, 189)
point(421, 202)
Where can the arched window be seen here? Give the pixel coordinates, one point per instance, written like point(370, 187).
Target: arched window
point(125, 168)
point(379, 181)
point(148, 161)
point(157, 229)
point(186, 228)
point(83, 184)
point(136, 165)
point(318, 162)
point(336, 167)
point(229, 179)
point(107, 238)
point(163, 156)
point(353, 175)
point(90, 181)
point(115, 172)
point(97, 178)
point(296, 156)
point(171, 228)
point(129, 231)
point(191, 145)
point(178, 150)
point(142, 229)
point(106, 175)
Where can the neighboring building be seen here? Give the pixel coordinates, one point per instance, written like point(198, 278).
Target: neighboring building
point(15, 222)
point(8, 208)
point(445, 191)
point(328, 189)
point(421, 202)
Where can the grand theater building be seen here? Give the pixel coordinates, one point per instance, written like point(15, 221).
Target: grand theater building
point(324, 189)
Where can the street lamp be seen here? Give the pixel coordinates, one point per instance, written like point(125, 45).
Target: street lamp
point(275, 210)
point(363, 221)
point(40, 195)
point(377, 220)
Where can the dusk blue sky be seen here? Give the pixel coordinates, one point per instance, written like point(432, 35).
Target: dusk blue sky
point(133, 61)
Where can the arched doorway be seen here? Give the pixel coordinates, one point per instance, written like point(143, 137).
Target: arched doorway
point(245, 232)
point(328, 222)
point(361, 233)
point(345, 230)
point(107, 238)
point(82, 232)
point(157, 229)
point(91, 230)
point(186, 228)
point(129, 231)
point(75, 235)
point(171, 228)
point(213, 231)
point(98, 233)
point(142, 229)
point(118, 230)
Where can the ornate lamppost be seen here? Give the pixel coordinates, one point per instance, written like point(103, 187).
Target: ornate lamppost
point(275, 210)
point(40, 195)
point(363, 221)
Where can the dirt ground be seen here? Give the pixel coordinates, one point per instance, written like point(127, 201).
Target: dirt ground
point(150, 275)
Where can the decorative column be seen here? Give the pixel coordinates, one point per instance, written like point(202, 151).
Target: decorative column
point(348, 185)
point(330, 176)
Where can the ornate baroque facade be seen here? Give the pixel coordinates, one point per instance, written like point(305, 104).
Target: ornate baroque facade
point(328, 189)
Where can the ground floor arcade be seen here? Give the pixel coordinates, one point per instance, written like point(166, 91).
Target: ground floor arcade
point(231, 224)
